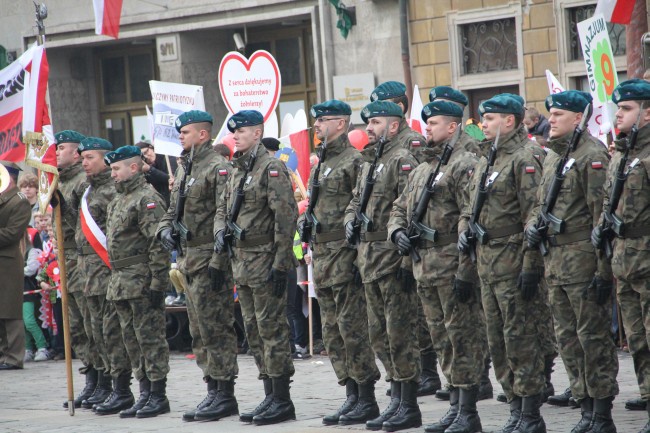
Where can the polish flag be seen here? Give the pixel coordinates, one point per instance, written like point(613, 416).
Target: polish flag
point(107, 17)
point(615, 11)
point(300, 144)
point(415, 120)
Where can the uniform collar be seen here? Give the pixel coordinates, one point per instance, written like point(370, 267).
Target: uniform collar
point(511, 141)
point(369, 152)
point(70, 172)
point(100, 179)
point(641, 139)
point(240, 160)
point(337, 146)
point(136, 182)
point(200, 151)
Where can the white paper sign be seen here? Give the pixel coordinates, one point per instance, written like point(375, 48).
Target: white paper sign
point(354, 90)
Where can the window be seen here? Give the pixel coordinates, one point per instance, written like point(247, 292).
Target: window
point(489, 46)
point(581, 13)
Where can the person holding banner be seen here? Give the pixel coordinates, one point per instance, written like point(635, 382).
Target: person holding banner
point(255, 223)
point(155, 169)
point(94, 263)
point(203, 174)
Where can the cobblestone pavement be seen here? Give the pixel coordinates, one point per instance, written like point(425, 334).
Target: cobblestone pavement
point(30, 401)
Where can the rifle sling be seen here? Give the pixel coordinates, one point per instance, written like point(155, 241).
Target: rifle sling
point(374, 236)
point(195, 242)
point(442, 241)
point(335, 235)
point(633, 232)
point(129, 261)
point(253, 241)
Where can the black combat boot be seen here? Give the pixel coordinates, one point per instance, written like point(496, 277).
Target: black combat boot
point(102, 391)
point(91, 384)
point(560, 399)
point(408, 414)
point(467, 420)
point(531, 420)
point(145, 391)
point(121, 397)
point(448, 417)
point(429, 378)
point(549, 362)
point(352, 393)
point(443, 393)
point(366, 407)
point(633, 404)
point(646, 428)
point(157, 403)
point(225, 404)
point(281, 408)
point(212, 394)
point(515, 414)
point(601, 421)
point(393, 405)
point(501, 397)
point(587, 409)
point(268, 399)
point(485, 390)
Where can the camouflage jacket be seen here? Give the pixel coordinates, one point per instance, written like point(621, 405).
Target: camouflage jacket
point(139, 262)
point(509, 203)
point(579, 204)
point(449, 197)
point(631, 259)
point(411, 140)
point(204, 186)
point(379, 256)
point(267, 216)
point(333, 260)
point(95, 272)
point(470, 144)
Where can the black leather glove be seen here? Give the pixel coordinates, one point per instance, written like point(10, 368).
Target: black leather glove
point(533, 236)
point(57, 199)
point(157, 299)
point(596, 237)
point(407, 280)
point(166, 240)
point(402, 241)
point(219, 242)
point(463, 290)
point(463, 242)
point(279, 279)
point(217, 278)
point(349, 231)
point(356, 277)
point(528, 283)
point(603, 289)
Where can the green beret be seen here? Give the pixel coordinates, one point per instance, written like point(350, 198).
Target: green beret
point(516, 97)
point(570, 100)
point(504, 103)
point(124, 152)
point(449, 93)
point(333, 107)
point(631, 90)
point(388, 90)
point(441, 108)
point(245, 118)
point(68, 136)
point(94, 143)
point(381, 109)
point(192, 116)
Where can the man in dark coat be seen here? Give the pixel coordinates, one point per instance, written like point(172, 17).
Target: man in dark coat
point(155, 169)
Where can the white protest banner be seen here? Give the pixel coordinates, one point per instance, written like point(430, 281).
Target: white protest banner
point(250, 83)
point(169, 101)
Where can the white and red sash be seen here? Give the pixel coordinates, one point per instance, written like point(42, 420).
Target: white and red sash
point(91, 230)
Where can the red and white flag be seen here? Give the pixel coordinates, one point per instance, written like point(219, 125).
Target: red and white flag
point(616, 11)
point(107, 17)
point(94, 234)
point(415, 119)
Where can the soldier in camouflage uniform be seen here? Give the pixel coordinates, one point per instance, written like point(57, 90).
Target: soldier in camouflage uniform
point(139, 277)
point(445, 284)
point(72, 184)
point(631, 249)
point(342, 302)
point(390, 288)
point(261, 259)
point(509, 272)
point(93, 261)
point(582, 315)
point(210, 303)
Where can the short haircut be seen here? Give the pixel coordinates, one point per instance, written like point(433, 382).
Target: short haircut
point(404, 100)
point(28, 180)
point(222, 150)
point(532, 112)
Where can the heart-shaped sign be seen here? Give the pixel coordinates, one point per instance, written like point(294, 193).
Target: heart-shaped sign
point(250, 84)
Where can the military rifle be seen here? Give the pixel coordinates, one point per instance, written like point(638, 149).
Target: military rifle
point(612, 224)
point(311, 225)
point(233, 230)
point(416, 229)
point(360, 217)
point(179, 228)
point(546, 220)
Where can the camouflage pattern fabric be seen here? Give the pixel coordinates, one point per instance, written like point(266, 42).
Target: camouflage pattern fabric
point(470, 144)
point(411, 140)
point(114, 341)
point(81, 335)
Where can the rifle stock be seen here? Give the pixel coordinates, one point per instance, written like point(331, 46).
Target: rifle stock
point(311, 226)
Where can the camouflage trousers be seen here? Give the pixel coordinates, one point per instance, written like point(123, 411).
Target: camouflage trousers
point(634, 299)
point(345, 332)
point(515, 344)
point(267, 329)
point(392, 326)
point(211, 314)
point(148, 351)
point(583, 335)
point(107, 335)
point(81, 332)
point(456, 330)
point(544, 317)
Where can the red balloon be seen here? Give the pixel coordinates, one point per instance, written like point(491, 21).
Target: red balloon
point(302, 206)
point(358, 138)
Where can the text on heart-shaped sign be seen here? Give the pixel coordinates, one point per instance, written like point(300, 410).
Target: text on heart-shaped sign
point(250, 84)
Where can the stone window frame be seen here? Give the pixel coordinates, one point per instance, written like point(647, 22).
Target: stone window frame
point(456, 19)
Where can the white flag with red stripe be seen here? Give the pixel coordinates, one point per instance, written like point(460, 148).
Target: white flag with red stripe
point(415, 120)
point(615, 11)
point(107, 17)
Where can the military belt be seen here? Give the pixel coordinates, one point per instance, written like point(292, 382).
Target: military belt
point(633, 232)
point(579, 234)
point(253, 241)
point(69, 245)
point(335, 235)
point(502, 232)
point(195, 242)
point(374, 236)
point(443, 240)
point(85, 250)
point(129, 261)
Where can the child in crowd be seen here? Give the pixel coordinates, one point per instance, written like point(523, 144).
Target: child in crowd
point(35, 342)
